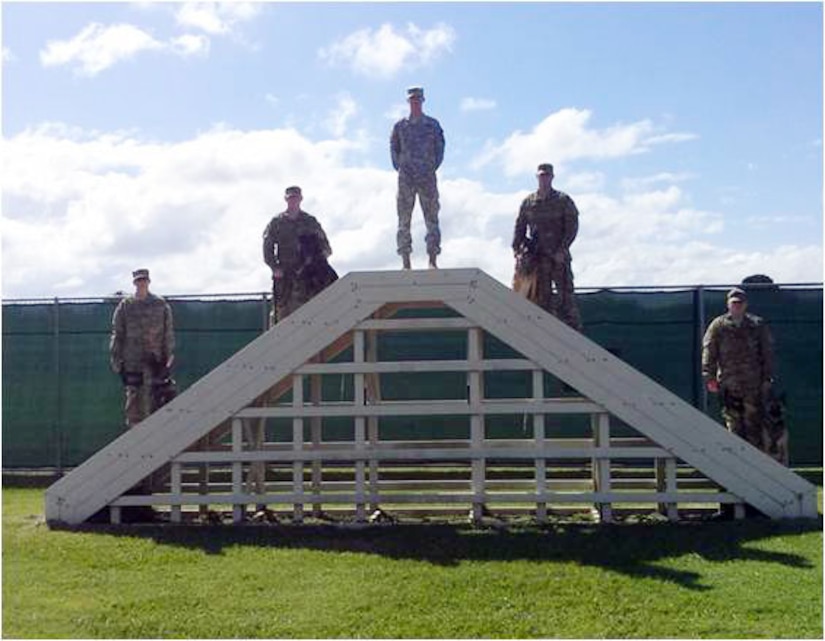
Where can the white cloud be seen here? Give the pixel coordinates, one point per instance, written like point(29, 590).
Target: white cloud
point(477, 104)
point(82, 209)
point(190, 45)
point(8, 55)
point(215, 18)
point(98, 47)
point(565, 135)
point(344, 110)
point(385, 51)
point(645, 182)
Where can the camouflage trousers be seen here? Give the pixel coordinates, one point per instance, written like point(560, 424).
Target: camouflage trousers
point(140, 402)
point(744, 415)
point(426, 187)
point(292, 293)
point(759, 420)
point(554, 291)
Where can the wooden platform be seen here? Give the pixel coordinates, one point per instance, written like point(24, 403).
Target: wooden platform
point(251, 432)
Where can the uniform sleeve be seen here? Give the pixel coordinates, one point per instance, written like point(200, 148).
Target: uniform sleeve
point(270, 239)
point(439, 145)
point(520, 232)
point(395, 146)
point(710, 352)
point(116, 339)
point(168, 332)
point(571, 222)
point(322, 238)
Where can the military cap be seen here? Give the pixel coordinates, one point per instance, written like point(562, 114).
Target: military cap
point(139, 274)
point(294, 189)
point(415, 92)
point(545, 168)
point(737, 294)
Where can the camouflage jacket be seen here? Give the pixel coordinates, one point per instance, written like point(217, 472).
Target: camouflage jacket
point(282, 241)
point(142, 333)
point(740, 355)
point(417, 145)
point(546, 225)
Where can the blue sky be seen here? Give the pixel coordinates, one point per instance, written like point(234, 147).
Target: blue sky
point(163, 134)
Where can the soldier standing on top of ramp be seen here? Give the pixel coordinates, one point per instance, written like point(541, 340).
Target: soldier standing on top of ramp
point(417, 150)
point(141, 349)
point(546, 226)
point(296, 249)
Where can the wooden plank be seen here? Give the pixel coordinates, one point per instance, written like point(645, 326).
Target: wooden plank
point(414, 324)
point(393, 367)
point(426, 408)
point(434, 454)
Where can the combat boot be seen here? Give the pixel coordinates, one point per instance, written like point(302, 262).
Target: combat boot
point(405, 260)
point(433, 262)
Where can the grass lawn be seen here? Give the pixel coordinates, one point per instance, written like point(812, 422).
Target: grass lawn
point(756, 578)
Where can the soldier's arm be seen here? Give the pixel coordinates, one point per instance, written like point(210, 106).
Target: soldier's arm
point(324, 242)
point(520, 231)
point(710, 353)
point(168, 335)
point(439, 145)
point(395, 146)
point(270, 239)
point(116, 339)
point(571, 223)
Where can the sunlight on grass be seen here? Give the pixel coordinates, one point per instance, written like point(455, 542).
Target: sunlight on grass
point(749, 579)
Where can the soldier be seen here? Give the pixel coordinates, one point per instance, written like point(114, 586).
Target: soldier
point(417, 149)
point(296, 250)
point(141, 349)
point(737, 363)
point(546, 226)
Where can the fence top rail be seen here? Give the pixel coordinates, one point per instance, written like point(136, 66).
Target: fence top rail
point(251, 296)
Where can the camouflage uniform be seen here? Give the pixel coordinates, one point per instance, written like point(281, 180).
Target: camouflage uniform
point(283, 238)
point(141, 344)
point(545, 226)
point(417, 150)
point(740, 356)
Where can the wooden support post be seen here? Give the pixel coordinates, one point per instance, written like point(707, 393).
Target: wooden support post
point(538, 436)
point(373, 397)
point(176, 489)
point(475, 386)
point(237, 469)
point(297, 447)
point(256, 474)
point(360, 428)
point(114, 514)
point(666, 481)
point(601, 439)
point(738, 511)
point(315, 433)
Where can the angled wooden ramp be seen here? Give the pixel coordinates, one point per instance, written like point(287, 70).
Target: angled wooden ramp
point(218, 423)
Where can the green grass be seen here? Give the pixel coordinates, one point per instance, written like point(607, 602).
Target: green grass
point(757, 578)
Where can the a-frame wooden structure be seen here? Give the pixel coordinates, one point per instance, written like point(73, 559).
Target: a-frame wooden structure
point(218, 422)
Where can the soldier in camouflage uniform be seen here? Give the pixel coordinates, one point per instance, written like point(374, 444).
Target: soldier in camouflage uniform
point(141, 349)
point(546, 226)
point(417, 150)
point(292, 239)
point(737, 363)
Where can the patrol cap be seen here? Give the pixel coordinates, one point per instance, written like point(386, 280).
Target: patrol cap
point(140, 274)
point(545, 168)
point(293, 189)
point(415, 92)
point(737, 294)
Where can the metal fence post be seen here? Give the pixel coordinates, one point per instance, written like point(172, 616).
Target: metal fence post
point(57, 426)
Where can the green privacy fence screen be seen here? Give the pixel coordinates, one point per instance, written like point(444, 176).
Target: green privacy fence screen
point(61, 403)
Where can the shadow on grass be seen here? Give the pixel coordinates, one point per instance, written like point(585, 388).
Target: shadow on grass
point(634, 550)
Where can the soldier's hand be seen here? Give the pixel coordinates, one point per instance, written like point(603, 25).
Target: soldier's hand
point(712, 385)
